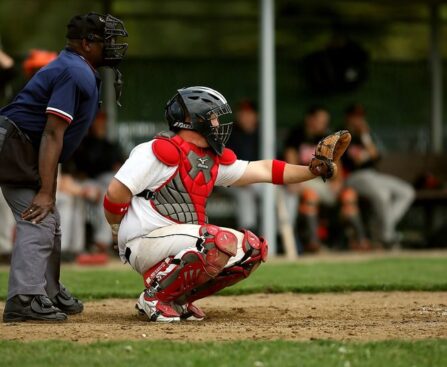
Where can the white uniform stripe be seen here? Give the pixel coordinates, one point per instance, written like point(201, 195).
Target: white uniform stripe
point(60, 111)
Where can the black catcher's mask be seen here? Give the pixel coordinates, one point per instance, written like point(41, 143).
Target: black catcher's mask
point(96, 27)
point(193, 108)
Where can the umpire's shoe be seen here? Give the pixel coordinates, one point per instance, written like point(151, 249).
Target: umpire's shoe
point(67, 303)
point(30, 307)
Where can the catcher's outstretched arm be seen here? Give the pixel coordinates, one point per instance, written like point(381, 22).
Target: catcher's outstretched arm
point(261, 171)
point(324, 164)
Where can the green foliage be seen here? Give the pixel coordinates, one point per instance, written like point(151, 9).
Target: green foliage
point(200, 28)
point(374, 275)
point(240, 353)
point(149, 83)
point(197, 42)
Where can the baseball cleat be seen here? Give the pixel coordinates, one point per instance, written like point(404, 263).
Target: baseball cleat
point(189, 312)
point(156, 310)
point(66, 302)
point(37, 308)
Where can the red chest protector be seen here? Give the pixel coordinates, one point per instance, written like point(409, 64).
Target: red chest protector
point(183, 197)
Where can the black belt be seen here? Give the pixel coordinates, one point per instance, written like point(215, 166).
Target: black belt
point(7, 123)
point(127, 254)
point(147, 194)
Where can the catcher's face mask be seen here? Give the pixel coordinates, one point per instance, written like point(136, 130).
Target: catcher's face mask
point(204, 110)
point(218, 134)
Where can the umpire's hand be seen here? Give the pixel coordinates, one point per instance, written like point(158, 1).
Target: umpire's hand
point(41, 206)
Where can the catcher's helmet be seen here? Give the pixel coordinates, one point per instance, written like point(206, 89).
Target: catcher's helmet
point(193, 108)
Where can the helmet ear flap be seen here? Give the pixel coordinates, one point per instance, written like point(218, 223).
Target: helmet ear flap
point(174, 111)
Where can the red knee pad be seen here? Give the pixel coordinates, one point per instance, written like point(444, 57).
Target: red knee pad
point(257, 247)
point(224, 240)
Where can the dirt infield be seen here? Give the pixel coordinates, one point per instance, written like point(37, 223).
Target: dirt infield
point(350, 316)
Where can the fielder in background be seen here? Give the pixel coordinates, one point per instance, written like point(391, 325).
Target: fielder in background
point(43, 125)
point(389, 196)
point(299, 149)
point(244, 141)
point(156, 205)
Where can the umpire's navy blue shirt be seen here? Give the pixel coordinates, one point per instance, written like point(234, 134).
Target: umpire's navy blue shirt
point(68, 87)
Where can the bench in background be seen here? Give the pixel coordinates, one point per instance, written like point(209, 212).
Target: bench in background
point(411, 167)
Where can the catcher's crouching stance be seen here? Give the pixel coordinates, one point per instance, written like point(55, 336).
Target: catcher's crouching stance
point(156, 205)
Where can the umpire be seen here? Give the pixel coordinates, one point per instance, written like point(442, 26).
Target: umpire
point(42, 127)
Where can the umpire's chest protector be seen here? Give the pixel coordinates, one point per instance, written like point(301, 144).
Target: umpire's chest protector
point(183, 197)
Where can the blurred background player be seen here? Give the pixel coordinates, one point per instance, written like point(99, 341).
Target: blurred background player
point(7, 219)
point(7, 73)
point(6, 231)
point(36, 60)
point(244, 141)
point(389, 196)
point(156, 205)
point(299, 149)
point(82, 185)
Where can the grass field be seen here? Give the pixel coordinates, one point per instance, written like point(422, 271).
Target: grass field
point(244, 353)
point(399, 274)
point(405, 274)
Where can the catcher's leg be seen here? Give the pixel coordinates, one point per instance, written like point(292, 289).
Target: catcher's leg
point(255, 250)
point(173, 278)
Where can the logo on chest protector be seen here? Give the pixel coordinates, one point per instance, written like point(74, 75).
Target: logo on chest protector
point(200, 164)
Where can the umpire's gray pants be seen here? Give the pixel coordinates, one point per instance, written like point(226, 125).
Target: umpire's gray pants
point(35, 262)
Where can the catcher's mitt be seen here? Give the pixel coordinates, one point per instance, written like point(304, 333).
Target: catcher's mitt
point(328, 151)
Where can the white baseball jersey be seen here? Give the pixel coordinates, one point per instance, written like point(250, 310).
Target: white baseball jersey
point(143, 171)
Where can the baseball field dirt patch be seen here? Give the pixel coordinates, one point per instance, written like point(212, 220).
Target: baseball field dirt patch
point(338, 316)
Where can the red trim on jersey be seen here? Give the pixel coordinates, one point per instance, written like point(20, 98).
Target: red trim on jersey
point(278, 172)
point(50, 112)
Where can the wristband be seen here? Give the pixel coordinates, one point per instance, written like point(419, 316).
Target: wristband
point(115, 208)
point(278, 172)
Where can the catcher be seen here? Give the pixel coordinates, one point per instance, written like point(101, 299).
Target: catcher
point(156, 205)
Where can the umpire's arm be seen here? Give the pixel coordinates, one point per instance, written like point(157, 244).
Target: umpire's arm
point(49, 153)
